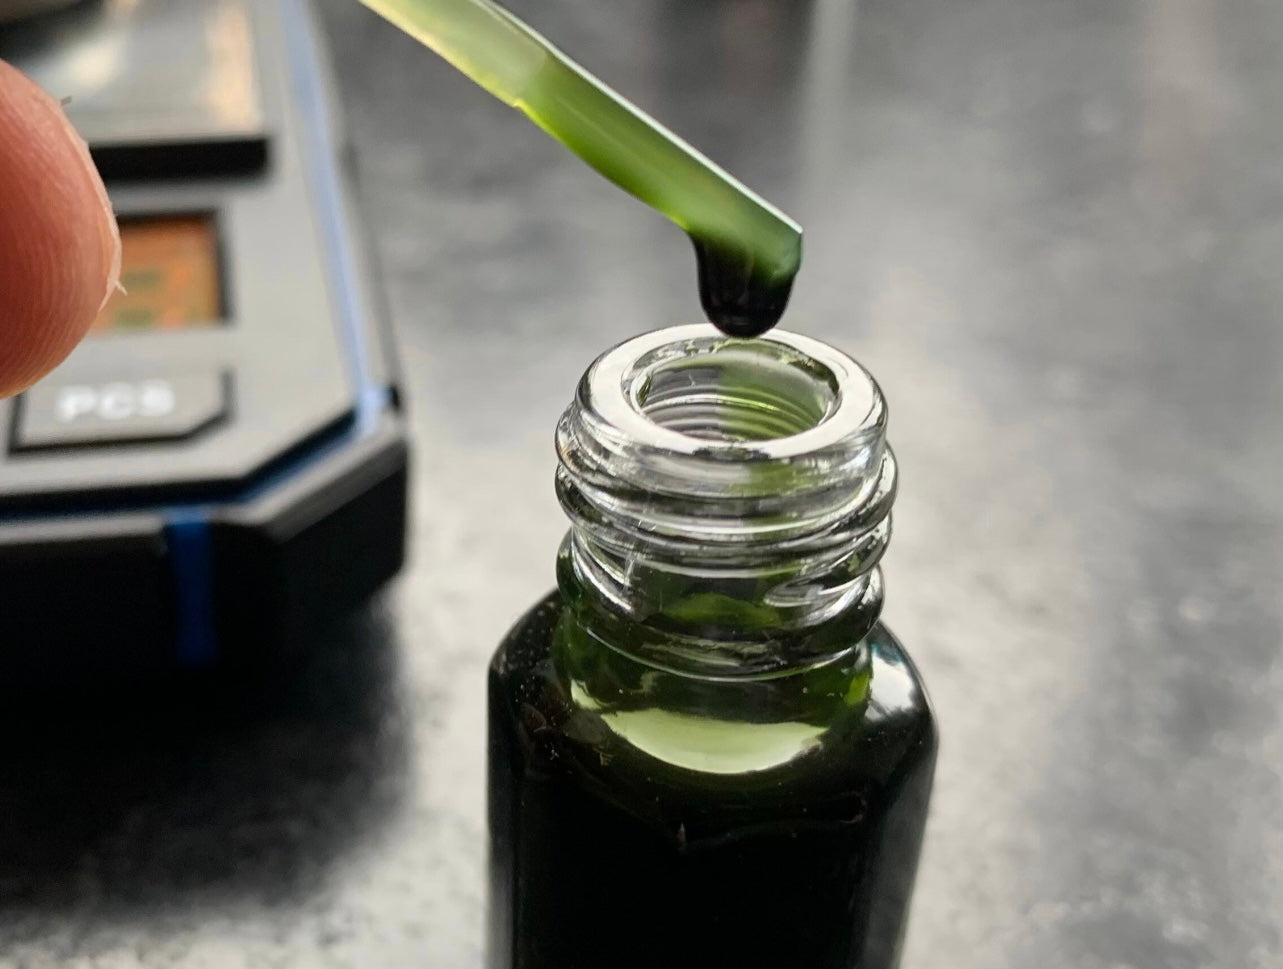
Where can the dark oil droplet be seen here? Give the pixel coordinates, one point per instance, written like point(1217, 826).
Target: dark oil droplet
point(738, 297)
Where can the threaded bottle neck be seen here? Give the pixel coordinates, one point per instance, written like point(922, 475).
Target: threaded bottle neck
point(731, 490)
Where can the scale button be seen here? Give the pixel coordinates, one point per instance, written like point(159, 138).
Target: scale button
point(57, 414)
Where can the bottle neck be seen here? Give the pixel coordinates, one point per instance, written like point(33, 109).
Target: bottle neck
point(729, 500)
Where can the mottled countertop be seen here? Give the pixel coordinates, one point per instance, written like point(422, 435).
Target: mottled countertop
point(1053, 231)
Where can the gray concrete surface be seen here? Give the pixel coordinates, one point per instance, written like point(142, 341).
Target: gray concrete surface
point(1054, 231)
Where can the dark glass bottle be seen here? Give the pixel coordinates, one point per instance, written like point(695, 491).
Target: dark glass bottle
point(705, 749)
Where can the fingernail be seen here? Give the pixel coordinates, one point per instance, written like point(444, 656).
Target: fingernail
point(108, 231)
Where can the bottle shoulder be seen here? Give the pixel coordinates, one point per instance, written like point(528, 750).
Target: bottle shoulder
point(716, 735)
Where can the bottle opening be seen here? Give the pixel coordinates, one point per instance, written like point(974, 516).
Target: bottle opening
point(690, 401)
point(736, 391)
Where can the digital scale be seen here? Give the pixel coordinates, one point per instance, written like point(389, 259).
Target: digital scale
point(221, 465)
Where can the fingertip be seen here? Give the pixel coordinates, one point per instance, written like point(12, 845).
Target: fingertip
point(59, 245)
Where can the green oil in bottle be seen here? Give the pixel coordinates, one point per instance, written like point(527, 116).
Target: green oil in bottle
point(663, 829)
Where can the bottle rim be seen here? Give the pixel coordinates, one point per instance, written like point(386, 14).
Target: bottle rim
point(618, 381)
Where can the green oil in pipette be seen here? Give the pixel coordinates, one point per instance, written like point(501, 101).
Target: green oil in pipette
point(748, 251)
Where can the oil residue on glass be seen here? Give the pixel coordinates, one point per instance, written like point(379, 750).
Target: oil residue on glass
point(748, 252)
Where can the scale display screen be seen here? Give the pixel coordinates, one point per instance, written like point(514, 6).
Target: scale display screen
point(170, 274)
